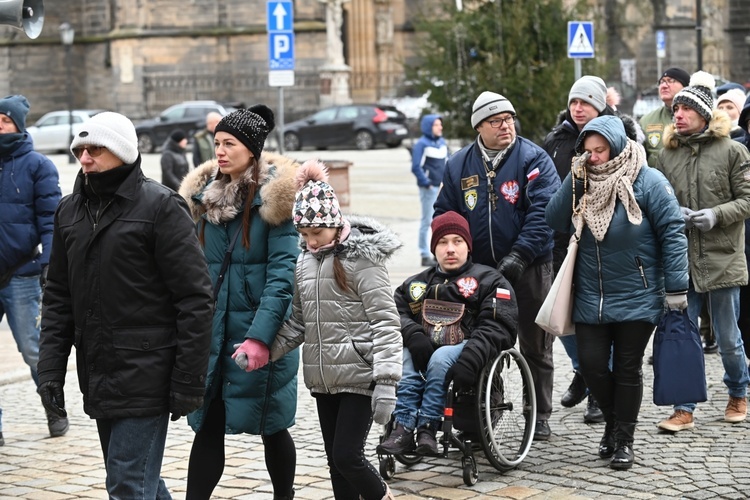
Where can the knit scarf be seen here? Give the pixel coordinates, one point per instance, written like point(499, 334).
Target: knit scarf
point(607, 183)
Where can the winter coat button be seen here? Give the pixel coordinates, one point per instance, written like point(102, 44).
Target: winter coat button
point(186, 377)
point(89, 313)
point(146, 345)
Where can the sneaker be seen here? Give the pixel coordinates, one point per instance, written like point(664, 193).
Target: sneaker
point(710, 346)
point(593, 414)
point(576, 391)
point(426, 442)
point(679, 421)
point(736, 410)
point(542, 431)
point(399, 442)
point(428, 262)
point(57, 426)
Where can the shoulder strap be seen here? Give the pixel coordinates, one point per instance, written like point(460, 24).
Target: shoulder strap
point(225, 262)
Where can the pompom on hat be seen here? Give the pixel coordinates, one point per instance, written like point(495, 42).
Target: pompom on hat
point(250, 126)
point(111, 130)
point(449, 223)
point(698, 95)
point(315, 204)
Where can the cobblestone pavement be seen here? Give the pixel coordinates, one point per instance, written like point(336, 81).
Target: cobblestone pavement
point(711, 461)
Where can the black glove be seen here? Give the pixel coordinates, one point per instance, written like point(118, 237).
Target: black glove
point(182, 404)
point(421, 350)
point(43, 277)
point(462, 375)
point(512, 267)
point(53, 398)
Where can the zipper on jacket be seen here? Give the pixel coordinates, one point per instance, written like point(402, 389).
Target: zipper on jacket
point(639, 263)
point(601, 282)
point(317, 322)
point(99, 211)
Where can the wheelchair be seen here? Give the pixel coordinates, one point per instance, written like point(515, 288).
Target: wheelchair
point(498, 416)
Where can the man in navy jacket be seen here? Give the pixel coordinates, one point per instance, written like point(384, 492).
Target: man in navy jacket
point(501, 184)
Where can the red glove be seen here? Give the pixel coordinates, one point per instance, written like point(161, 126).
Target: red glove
point(251, 355)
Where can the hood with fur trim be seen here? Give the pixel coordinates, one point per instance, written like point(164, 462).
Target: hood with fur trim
point(221, 200)
point(369, 239)
point(719, 126)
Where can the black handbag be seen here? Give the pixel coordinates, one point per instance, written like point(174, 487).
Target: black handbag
point(679, 366)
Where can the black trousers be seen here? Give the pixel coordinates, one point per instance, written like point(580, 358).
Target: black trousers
point(618, 391)
point(345, 421)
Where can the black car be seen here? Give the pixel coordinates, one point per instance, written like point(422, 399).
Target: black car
point(360, 125)
point(188, 116)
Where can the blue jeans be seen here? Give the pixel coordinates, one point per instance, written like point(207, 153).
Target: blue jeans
point(421, 402)
point(427, 197)
point(21, 302)
point(724, 309)
point(133, 450)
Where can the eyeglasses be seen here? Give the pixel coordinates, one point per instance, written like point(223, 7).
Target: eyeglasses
point(508, 120)
point(667, 80)
point(94, 151)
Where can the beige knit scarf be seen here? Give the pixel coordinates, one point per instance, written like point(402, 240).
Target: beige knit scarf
point(606, 183)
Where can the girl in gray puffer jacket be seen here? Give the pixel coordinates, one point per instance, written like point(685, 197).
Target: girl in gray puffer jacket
point(344, 312)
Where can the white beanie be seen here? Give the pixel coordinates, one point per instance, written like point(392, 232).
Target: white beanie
point(111, 130)
point(489, 104)
point(590, 89)
point(735, 96)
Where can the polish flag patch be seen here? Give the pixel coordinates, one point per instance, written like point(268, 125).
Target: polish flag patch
point(533, 174)
point(503, 294)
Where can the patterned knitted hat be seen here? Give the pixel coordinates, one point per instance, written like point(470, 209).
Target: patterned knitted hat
point(698, 95)
point(449, 223)
point(250, 126)
point(315, 204)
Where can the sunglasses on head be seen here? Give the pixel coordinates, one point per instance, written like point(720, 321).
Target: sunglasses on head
point(94, 151)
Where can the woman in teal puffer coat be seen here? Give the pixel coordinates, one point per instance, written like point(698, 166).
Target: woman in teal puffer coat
point(248, 198)
point(631, 265)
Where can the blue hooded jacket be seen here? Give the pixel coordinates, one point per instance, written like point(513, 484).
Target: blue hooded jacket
point(429, 155)
point(29, 195)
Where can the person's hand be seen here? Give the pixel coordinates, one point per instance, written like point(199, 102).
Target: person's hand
point(182, 404)
point(578, 165)
point(53, 397)
point(463, 377)
point(512, 267)
point(383, 403)
point(677, 301)
point(43, 277)
point(251, 355)
point(686, 216)
point(704, 220)
point(421, 349)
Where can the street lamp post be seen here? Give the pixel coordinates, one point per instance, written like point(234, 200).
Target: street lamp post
point(67, 35)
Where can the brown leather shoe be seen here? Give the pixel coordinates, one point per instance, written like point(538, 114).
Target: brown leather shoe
point(679, 421)
point(736, 410)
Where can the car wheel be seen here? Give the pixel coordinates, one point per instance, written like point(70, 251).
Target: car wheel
point(394, 144)
point(145, 143)
point(291, 142)
point(363, 140)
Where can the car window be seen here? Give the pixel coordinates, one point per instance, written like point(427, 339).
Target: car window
point(197, 112)
point(174, 114)
point(47, 122)
point(348, 113)
point(326, 115)
point(77, 119)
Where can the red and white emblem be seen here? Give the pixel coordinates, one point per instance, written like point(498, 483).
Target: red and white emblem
point(510, 191)
point(467, 286)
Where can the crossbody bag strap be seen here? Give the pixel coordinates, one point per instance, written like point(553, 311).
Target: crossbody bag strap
point(225, 262)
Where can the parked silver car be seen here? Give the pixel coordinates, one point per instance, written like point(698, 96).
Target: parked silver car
point(51, 132)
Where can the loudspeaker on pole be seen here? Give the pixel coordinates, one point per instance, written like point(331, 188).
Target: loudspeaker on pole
point(27, 15)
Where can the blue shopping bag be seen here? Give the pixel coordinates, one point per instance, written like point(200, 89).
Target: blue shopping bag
point(679, 367)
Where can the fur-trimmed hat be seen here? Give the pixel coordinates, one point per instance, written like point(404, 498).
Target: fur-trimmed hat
point(698, 95)
point(449, 223)
point(250, 126)
point(111, 130)
point(590, 89)
point(489, 104)
point(315, 204)
point(15, 107)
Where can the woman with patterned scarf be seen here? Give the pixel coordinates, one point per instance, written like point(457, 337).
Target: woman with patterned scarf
point(631, 266)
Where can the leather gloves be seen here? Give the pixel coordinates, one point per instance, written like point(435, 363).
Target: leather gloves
point(462, 375)
point(421, 349)
point(704, 220)
point(383, 403)
point(677, 301)
point(251, 355)
point(182, 404)
point(43, 277)
point(53, 398)
point(512, 267)
point(686, 216)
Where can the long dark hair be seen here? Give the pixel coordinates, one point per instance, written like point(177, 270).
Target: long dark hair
point(339, 274)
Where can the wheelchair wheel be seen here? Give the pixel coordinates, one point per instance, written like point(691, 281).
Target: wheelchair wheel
point(471, 473)
point(409, 459)
point(506, 408)
point(387, 467)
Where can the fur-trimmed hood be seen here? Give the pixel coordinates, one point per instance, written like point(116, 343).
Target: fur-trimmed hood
point(369, 239)
point(221, 200)
point(719, 126)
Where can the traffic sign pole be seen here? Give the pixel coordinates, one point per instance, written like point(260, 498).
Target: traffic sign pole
point(661, 51)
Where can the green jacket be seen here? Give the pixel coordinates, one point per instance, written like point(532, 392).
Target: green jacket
point(653, 125)
point(709, 170)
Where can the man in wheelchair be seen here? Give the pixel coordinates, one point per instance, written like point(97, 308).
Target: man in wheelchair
point(455, 318)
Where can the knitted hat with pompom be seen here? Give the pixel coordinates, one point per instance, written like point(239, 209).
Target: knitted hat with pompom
point(698, 95)
point(315, 204)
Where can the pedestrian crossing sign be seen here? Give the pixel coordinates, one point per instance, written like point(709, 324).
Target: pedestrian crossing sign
point(580, 39)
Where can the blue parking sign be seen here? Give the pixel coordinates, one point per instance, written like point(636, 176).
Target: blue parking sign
point(281, 51)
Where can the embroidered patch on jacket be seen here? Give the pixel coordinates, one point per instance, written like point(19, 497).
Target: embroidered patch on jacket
point(469, 182)
point(654, 138)
point(502, 293)
point(467, 286)
point(470, 199)
point(509, 190)
point(417, 289)
point(533, 174)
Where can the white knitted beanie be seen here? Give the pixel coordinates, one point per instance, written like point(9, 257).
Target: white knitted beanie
point(111, 130)
point(489, 104)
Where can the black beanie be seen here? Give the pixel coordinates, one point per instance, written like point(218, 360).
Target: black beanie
point(177, 135)
point(250, 126)
point(678, 74)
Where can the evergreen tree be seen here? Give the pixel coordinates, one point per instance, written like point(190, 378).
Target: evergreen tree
point(517, 48)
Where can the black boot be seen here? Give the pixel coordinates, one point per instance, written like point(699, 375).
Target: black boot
point(593, 414)
point(285, 497)
point(398, 442)
point(624, 455)
point(576, 391)
point(607, 444)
